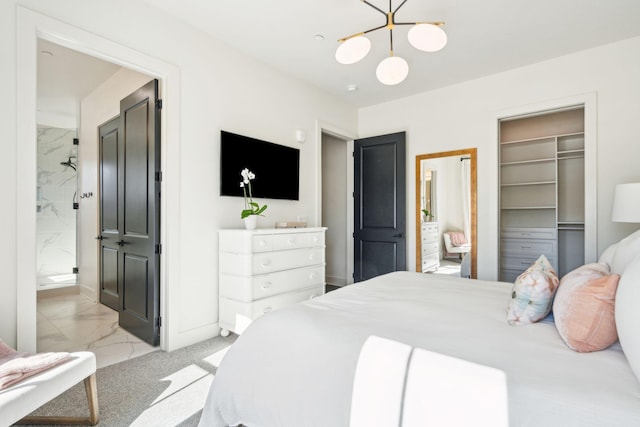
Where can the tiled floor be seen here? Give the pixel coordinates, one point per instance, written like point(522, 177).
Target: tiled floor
point(75, 323)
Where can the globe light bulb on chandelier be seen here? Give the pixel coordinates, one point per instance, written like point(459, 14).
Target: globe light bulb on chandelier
point(424, 36)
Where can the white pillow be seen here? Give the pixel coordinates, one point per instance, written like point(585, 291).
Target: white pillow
point(620, 254)
point(627, 313)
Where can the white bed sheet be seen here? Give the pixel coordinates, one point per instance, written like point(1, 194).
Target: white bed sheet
point(295, 366)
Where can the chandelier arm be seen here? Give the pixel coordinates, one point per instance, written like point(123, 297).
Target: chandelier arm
point(397, 8)
point(391, 42)
point(374, 7)
point(362, 33)
point(436, 23)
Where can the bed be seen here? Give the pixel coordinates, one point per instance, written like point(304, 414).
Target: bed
point(295, 366)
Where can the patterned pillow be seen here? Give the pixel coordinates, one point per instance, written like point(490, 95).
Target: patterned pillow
point(533, 293)
point(584, 308)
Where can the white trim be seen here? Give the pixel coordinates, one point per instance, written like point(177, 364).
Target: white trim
point(590, 103)
point(31, 26)
point(348, 137)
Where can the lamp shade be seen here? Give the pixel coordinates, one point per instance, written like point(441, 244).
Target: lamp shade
point(353, 50)
point(427, 37)
point(626, 203)
point(392, 70)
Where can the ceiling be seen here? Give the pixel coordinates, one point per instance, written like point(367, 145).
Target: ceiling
point(484, 37)
point(66, 76)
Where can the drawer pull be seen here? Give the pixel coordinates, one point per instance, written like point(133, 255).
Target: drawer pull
point(313, 276)
point(267, 309)
point(313, 257)
point(291, 241)
point(266, 285)
point(262, 243)
point(313, 296)
point(525, 247)
point(266, 263)
point(316, 239)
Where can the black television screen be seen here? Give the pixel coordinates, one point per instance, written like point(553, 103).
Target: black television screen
point(276, 167)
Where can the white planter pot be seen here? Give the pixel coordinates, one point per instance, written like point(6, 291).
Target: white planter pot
point(251, 222)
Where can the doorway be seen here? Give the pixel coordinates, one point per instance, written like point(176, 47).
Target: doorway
point(33, 26)
point(71, 319)
point(336, 169)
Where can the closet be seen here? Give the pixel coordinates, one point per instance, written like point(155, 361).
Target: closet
point(542, 191)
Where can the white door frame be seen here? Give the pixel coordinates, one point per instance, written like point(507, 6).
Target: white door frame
point(589, 101)
point(348, 137)
point(31, 26)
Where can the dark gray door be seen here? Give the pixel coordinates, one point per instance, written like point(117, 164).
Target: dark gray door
point(131, 261)
point(380, 211)
point(109, 146)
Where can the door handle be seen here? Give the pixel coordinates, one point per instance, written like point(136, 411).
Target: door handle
point(100, 238)
point(121, 243)
point(399, 235)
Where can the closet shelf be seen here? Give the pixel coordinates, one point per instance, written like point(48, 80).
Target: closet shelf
point(527, 207)
point(541, 139)
point(522, 162)
point(526, 184)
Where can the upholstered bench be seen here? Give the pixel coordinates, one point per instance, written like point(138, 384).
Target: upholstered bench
point(19, 400)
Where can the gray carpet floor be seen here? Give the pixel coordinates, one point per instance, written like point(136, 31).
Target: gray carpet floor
point(156, 389)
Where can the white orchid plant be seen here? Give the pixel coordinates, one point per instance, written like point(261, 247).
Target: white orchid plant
point(250, 207)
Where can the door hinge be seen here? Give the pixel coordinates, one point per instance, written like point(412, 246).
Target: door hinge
point(158, 248)
point(75, 270)
point(159, 321)
point(353, 234)
point(159, 103)
point(159, 176)
point(76, 141)
point(76, 205)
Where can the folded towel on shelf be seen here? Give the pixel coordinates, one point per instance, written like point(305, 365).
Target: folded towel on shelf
point(16, 366)
point(457, 238)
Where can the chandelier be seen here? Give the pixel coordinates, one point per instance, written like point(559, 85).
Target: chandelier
point(424, 36)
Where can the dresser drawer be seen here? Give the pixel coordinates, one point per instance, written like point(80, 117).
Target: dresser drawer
point(262, 243)
point(267, 262)
point(529, 233)
point(242, 288)
point(429, 248)
point(236, 315)
point(520, 264)
point(510, 276)
point(430, 227)
point(528, 247)
point(430, 262)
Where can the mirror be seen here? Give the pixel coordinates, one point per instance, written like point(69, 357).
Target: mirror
point(446, 195)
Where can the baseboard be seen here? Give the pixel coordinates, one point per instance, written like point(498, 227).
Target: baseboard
point(336, 281)
point(88, 292)
point(192, 336)
point(56, 292)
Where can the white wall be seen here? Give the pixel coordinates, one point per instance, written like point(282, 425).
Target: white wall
point(97, 108)
point(463, 116)
point(219, 89)
point(334, 208)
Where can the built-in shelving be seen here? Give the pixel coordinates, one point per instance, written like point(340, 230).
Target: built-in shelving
point(542, 188)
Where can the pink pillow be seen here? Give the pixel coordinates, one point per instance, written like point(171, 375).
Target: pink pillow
point(583, 308)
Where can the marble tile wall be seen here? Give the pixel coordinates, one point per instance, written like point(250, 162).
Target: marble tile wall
point(56, 218)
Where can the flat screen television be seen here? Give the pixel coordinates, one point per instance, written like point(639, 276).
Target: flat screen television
point(276, 167)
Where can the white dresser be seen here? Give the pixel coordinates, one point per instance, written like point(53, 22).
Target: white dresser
point(430, 246)
point(266, 269)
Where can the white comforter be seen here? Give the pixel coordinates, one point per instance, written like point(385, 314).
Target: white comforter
point(295, 366)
